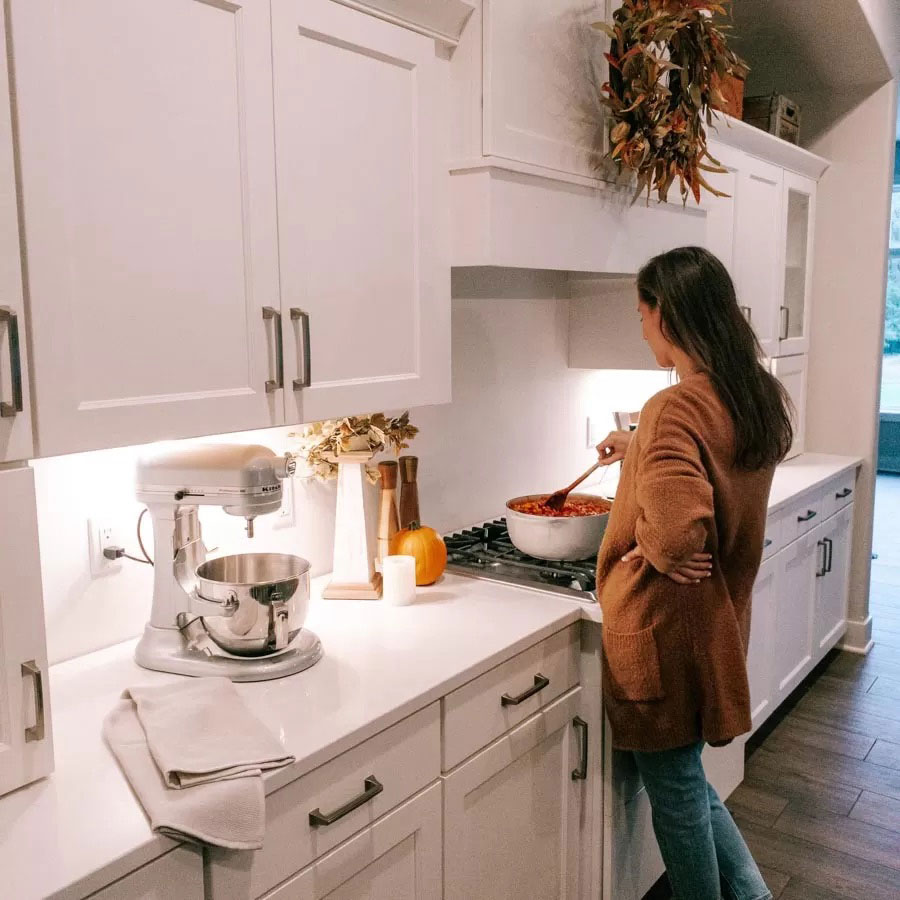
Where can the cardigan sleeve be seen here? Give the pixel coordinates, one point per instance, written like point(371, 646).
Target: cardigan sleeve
point(674, 494)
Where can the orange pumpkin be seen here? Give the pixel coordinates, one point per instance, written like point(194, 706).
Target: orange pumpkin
point(428, 548)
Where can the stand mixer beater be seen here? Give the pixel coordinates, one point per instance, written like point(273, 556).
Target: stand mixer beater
point(240, 616)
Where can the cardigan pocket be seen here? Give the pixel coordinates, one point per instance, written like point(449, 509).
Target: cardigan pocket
point(632, 665)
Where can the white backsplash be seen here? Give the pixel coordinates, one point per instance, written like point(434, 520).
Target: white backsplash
point(517, 424)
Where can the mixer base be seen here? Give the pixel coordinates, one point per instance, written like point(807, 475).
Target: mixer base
point(165, 650)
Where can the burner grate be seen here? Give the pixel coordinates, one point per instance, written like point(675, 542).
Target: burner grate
point(486, 551)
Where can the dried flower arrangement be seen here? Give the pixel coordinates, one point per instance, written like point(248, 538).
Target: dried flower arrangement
point(667, 61)
point(321, 443)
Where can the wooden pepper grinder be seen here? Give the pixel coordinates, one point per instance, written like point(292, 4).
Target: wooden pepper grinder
point(388, 523)
point(409, 491)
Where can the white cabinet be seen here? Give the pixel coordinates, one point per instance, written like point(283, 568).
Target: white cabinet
point(796, 587)
point(757, 237)
point(792, 372)
point(833, 581)
point(798, 218)
point(720, 211)
point(363, 214)
point(162, 304)
point(513, 813)
point(26, 746)
point(763, 612)
point(148, 187)
point(536, 89)
point(397, 858)
point(15, 408)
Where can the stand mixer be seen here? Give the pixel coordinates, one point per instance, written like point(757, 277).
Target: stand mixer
point(239, 616)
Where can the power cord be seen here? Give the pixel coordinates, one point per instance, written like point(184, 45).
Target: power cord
point(114, 552)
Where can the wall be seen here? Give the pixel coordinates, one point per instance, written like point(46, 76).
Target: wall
point(517, 424)
point(852, 215)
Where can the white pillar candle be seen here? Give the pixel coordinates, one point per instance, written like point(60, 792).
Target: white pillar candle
point(399, 579)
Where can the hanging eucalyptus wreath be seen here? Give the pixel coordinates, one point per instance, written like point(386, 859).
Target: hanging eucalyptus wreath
point(667, 61)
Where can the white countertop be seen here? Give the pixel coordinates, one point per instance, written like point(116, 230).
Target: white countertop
point(798, 475)
point(82, 828)
point(792, 478)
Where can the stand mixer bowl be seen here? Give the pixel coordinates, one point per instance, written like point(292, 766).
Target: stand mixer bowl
point(269, 596)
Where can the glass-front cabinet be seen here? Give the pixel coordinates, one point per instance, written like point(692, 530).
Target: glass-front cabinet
point(798, 212)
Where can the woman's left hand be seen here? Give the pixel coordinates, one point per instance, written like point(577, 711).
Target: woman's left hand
point(691, 571)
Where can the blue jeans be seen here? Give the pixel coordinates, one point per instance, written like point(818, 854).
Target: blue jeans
point(705, 855)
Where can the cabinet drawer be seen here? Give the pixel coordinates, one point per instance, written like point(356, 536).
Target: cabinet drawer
point(804, 514)
point(841, 492)
point(403, 760)
point(775, 540)
point(482, 710)
point(176, 876)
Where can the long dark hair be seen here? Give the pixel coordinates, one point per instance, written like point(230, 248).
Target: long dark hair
point(699, 313)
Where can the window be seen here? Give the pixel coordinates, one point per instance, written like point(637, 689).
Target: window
point(890, 377)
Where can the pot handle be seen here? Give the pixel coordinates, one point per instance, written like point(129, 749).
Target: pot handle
point(203, 606)
point(280, 623)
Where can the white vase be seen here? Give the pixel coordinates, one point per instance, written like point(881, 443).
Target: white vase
point(353, 574)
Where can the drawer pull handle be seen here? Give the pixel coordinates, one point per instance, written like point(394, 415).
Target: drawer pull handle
point(829, 553)
point(372, 788)
point(305, 379)
point(767, 542)
point(540, 682)
point(810, 514)
point(824, 570)
point(841, 495)
point(8, 410)
point(36, 731)
point(580, 774)
point(276, 383)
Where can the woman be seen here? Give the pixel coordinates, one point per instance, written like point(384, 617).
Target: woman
point(678, 562)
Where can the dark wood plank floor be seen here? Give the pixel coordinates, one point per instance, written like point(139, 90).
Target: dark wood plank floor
point(820, 804)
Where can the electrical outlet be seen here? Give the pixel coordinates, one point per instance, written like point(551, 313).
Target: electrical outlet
point(101, 535)
point(284, 518)
point(596, 431)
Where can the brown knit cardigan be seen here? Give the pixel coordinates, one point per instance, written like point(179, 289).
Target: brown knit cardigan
point(675, 655)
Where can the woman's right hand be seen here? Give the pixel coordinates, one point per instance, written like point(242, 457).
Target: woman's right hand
point(612, 448)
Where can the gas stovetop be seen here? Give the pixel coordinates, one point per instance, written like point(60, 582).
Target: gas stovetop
point(487, 552)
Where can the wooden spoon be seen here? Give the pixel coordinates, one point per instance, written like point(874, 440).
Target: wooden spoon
point(557, 500)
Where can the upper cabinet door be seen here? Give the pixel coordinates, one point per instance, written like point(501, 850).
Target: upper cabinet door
point(720, 211)
point(15, 408)
point(539, 101)
point(147, 159)
point(757, 240)
point(798, 217)
point(360, 111)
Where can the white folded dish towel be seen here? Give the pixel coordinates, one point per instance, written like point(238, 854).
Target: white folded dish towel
point(194, 755)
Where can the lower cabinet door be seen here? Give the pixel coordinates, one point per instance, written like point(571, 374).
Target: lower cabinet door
point(513, 813)
point(794, 608)
point(833, 582)
point(397, 858)
point(762, 633)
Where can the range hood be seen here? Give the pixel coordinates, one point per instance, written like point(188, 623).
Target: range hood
point(443, 20)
